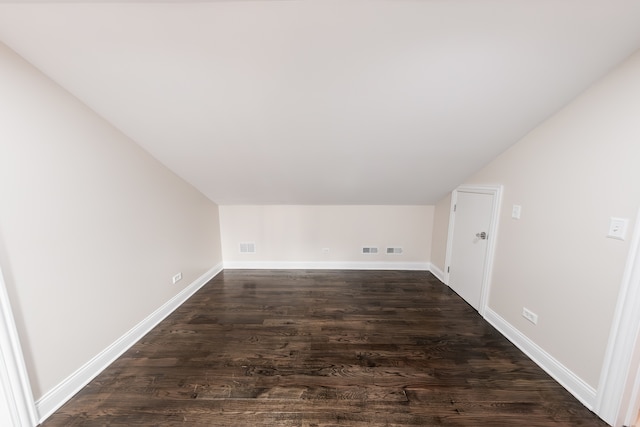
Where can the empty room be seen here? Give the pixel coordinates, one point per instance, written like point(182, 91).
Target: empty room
point(319, 213)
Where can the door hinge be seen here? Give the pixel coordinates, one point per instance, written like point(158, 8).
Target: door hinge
point(455, 207)
point(448, 269)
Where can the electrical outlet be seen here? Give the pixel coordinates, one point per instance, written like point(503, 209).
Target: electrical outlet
point(530, 315)
point(325, 250)
point(175, 279)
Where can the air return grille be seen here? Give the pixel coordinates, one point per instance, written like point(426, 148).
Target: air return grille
point(247, 248)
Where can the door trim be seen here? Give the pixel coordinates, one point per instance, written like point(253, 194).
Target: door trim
point(619, 386)
point(14, 378)
point(496, 192)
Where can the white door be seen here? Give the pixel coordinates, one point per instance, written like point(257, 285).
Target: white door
point(470, 240)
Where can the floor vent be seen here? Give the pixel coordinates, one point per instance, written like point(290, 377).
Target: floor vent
point(369, 250)
point(247, 248)
point(396, 251)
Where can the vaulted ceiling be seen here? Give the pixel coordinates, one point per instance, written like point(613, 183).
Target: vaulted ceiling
point(324, 101)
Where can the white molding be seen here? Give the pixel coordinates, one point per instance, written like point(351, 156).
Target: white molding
point(491, 246)
point(60, 394)
point(437, 272)
point(630, 416)
point(452, 220)
point(326, 265)
point(569, 380)
point(614, 405)
point(14, 378)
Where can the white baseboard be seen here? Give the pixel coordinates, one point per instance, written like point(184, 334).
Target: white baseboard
point(438, 273)
point(325, 265)
point(59, 395)
point(570, 381)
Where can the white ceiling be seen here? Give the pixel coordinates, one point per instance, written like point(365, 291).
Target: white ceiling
point(324, 101)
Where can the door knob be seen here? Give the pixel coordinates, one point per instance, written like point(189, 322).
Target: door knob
point(481, 236)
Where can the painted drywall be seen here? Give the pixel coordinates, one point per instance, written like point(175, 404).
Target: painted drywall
point(440, 235)
point(323, 101)
point(298, 234)
point(92, 228)
point(570, 175)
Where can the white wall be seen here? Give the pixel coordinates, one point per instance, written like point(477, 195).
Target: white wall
point(91, 227)
point(295, 235)
point(570, 175)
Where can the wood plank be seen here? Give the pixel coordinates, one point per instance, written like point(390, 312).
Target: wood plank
point(324, 348)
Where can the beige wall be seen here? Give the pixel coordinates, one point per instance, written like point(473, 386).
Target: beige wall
point(440, 234)
point(570, 175)
point(91, 227)
point(299, 233)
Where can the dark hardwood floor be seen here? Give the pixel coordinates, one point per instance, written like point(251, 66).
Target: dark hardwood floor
point(324, 348)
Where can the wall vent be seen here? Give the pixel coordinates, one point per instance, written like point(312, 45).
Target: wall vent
point(392, 251)
point(369, 250)
point(247, 248)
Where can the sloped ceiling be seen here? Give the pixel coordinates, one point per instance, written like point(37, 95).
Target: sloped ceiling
point(324, 101)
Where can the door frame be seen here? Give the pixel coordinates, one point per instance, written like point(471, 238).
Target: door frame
point(496, 192)
point(14, 378)
point(618, 395)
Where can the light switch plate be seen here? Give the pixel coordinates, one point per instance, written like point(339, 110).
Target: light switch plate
point(515, 212)
point(618, 228)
